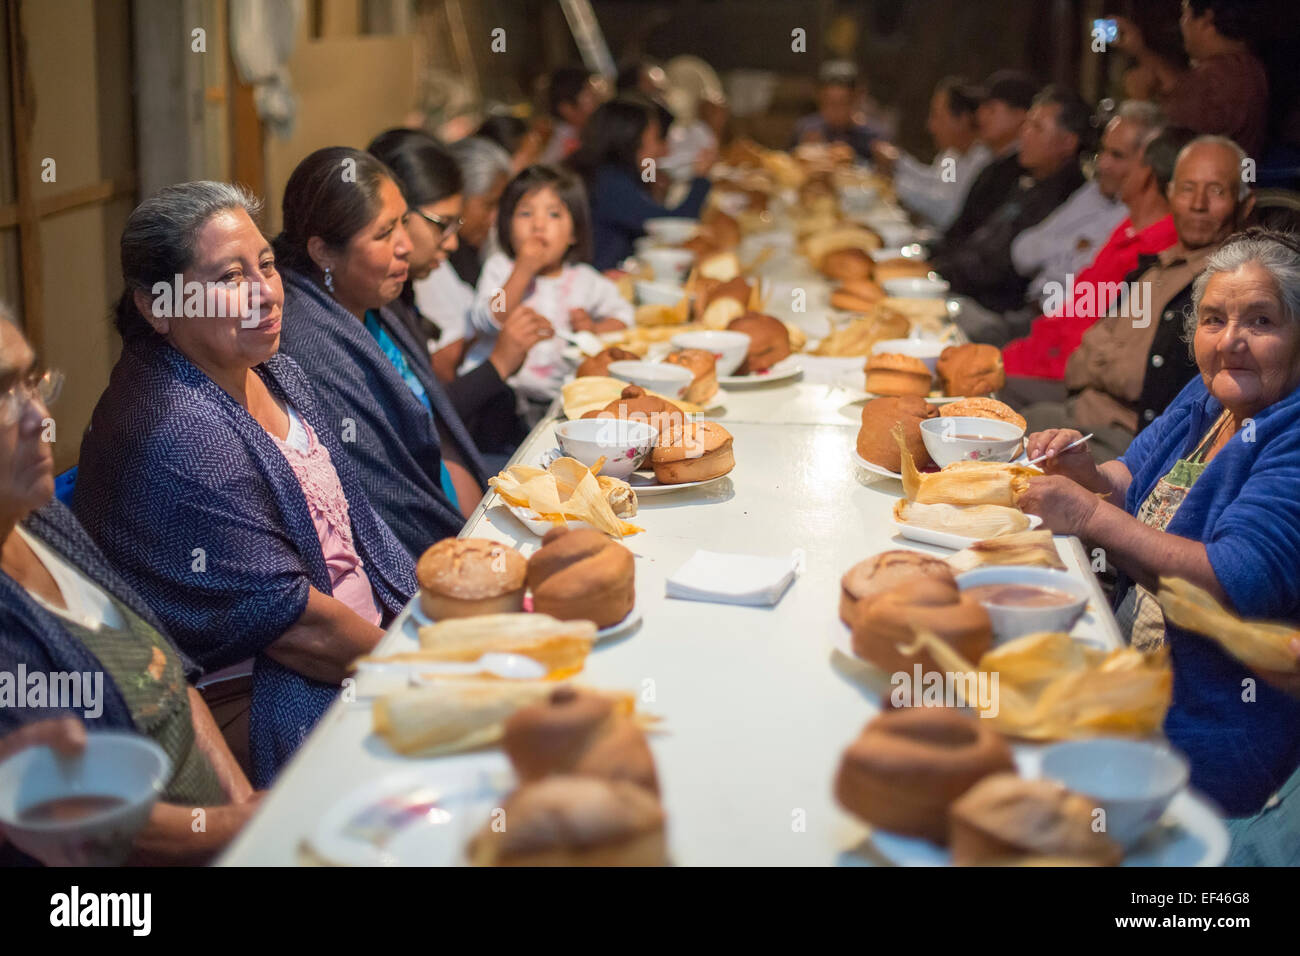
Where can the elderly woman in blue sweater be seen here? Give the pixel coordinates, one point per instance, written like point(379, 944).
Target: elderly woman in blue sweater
point(1210, 492)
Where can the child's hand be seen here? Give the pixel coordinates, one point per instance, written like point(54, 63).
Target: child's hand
point(522, 329)
point(533, 255)
point(580, 321)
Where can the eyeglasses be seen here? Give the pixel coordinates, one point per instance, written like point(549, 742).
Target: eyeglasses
point(46, 389)
point(446, 227)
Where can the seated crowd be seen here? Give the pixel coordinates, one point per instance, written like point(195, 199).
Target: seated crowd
point(256, 484)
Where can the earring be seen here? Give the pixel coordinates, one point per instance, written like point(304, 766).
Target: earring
point(329, 279)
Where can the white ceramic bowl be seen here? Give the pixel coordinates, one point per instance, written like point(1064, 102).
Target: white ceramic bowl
point(729, 348)
point(1132, 780)
point(643, 245)
point(668, 265)
point(927, 350)
point(1011, 622)
point(114, 764)
point(895, 233)
point(944, 439)
point(658, 293)
point(913, 288)
point(671, 230)
point(669, 380)
point(623, 443)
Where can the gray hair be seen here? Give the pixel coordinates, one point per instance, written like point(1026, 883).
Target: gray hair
point(1145, 115)
point(160, 235)
point(481, 161)
point(1277, 255)
point(1243, 190)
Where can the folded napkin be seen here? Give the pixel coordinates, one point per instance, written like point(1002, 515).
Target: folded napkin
point(733, 578)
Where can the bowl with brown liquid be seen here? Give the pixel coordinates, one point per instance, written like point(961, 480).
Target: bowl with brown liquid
point(967, 438)
point(83, 810)
point(1023, 600)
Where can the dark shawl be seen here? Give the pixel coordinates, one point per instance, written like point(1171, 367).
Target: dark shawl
point(395, 443)
point(172, 464)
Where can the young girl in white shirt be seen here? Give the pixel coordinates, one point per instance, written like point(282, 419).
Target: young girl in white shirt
point(544, 228)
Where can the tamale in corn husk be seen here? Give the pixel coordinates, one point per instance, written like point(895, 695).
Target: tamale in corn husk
point(560, 646)
point(1033, 549)
point(452, 715)
point(972, 521)
point(963, 482)
point(1261, 645)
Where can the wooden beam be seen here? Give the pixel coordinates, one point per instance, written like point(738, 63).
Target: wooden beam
point(29, 234)
point(103, 191)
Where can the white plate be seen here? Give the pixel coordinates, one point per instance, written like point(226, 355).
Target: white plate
point(644, 483)
point(420, 619)
point(874, 468)
point(932, 398)
point(782, 371)
point(945, 540)
point(534, 522)
point(419, 817)
point(1189, 834)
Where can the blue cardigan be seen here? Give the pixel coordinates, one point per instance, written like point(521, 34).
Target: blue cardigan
point(200, 512)
point(1245, 508)
point(396, 444)
point(620, 205)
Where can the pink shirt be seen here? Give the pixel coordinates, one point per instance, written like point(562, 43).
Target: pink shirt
point(311, 464)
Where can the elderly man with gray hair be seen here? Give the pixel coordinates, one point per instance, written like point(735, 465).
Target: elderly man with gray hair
point(1133, 363)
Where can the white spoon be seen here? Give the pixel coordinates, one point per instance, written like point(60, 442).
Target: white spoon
point(1074, 444)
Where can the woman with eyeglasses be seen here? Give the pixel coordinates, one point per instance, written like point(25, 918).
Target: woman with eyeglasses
point(214, 477)
point(434, 303)
point(65, 611)
point(345, 256)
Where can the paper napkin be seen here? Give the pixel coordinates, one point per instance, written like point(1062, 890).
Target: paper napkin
point(733, 578)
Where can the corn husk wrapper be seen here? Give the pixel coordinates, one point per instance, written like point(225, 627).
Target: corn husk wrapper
point(971, 521)
point(568, 491)
point(824, 241)
point(452, 715)
point(963, 482)
point(660, 315)
point(1124, 693)
point(1034, 549)
point(560, 646)
point(1260, 645)
point(856, 339)
point(593, 392)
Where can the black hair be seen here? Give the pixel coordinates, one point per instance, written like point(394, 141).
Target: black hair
point(571, 192)
point(424, 170)
point(964, 97)
point(333, 194)
point(1012, 87)
point(629, 77)
point(505, 130)
point(565, 86)
point(1234, 19)
point(1161, 153)
point(612, 137)
point(1075, 116)
point(158, 241)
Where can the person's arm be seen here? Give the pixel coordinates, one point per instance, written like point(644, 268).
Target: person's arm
point(1110, 480)
point(325, 640)
point(446, 360)
point(212, 744)
point(189, 836)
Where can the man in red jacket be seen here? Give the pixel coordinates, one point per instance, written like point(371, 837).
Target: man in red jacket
point(1147, 230)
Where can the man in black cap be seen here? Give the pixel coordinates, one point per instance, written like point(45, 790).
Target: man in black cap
point(1007, 97)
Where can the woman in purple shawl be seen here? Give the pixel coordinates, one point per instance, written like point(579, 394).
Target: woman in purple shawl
point(214, 482)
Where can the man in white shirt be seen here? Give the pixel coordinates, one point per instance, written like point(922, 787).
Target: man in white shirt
point(935, 192)
point(1066, 241)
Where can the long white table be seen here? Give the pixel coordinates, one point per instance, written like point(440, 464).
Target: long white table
point(756, 705)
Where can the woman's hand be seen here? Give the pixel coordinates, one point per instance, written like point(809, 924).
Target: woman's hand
point(580, 320)
point(1065, 506)
point(522, 329)
point(1076, 464)
point(1128, 38)
point(65, 735)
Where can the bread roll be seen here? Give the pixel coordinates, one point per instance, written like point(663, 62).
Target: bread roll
point(884, 572)
point(908, 766)
point(892, 618)
point(571, 820)
point(890, 373)
point(638, 405)
point(846, 264)
point(769, 341)
point(697, 452)
point(578, 574)
point(1003, 819)
point(465, 577)
point(901, 268)
point(599, 363)
point(983, 408)
point(704, 367)
point(971, 369)
point(858, 295)
point(578, 731)
point(876, 442)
